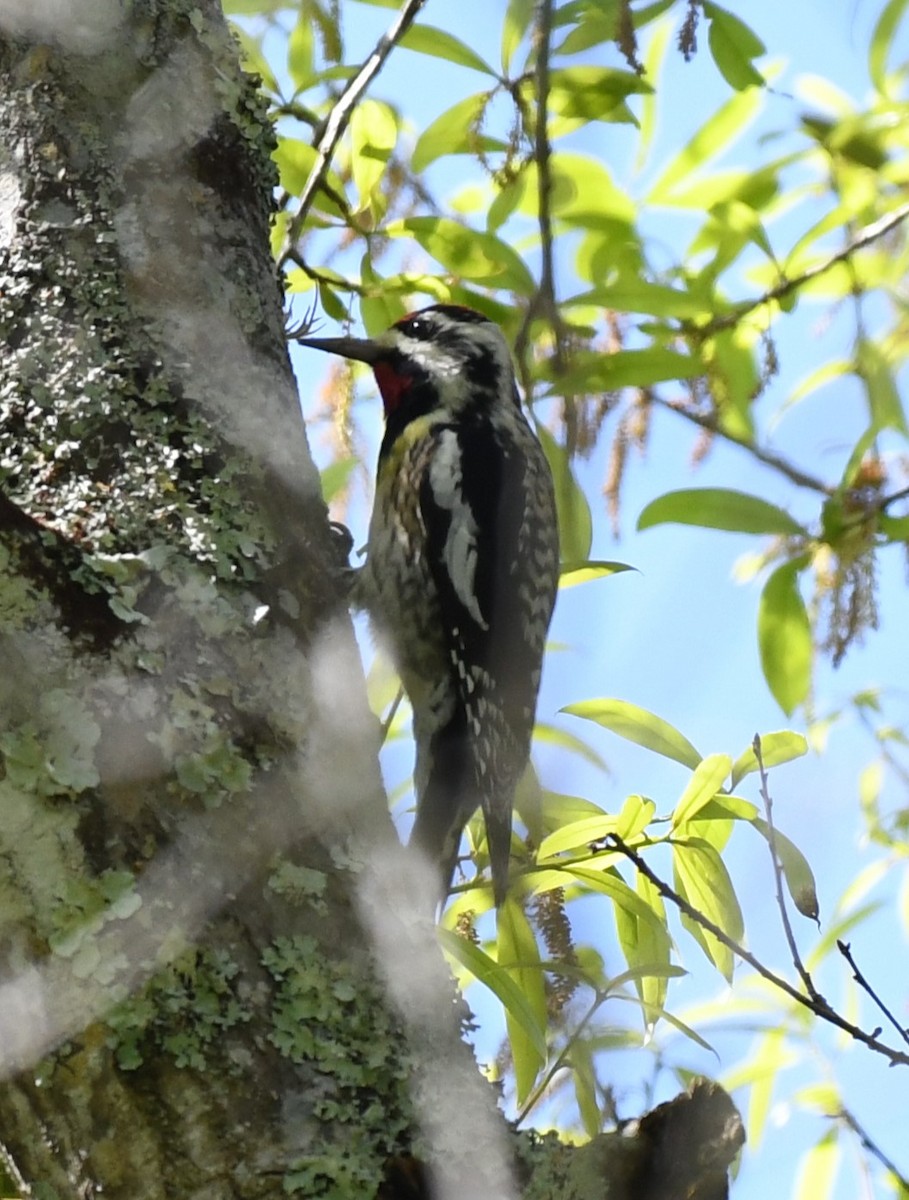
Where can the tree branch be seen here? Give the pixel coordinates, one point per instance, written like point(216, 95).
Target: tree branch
point(871, 233)
point(778, 876)
point(339, 117)
point(816, 1004)
point(846, 950)
point(709, 422)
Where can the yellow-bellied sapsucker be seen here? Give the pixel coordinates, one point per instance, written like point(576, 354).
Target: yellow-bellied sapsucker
point(462, 566)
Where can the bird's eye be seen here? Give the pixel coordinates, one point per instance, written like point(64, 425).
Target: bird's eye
point(416, 327)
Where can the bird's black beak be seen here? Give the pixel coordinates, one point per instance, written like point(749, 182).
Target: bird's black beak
point(360, 349)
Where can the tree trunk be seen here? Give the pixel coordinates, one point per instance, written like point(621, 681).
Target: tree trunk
point(212, 983)
point(188, 1003)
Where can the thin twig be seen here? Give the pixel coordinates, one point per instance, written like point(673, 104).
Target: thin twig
point(534, 1097)
point(818, 1005)
point(709, 422)
point(872, 1147)
point(340, 116)
point(871, 233)
point(778, 875)
point(545, 301)
point(846, 950)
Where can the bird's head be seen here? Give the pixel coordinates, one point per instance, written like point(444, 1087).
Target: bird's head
point(445, 356)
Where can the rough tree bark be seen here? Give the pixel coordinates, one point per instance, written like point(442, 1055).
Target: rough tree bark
point(200, 993)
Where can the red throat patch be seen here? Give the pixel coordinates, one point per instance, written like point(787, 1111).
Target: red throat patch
point(392, 384)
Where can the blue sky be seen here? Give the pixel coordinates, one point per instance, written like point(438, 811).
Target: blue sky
point(677, 636)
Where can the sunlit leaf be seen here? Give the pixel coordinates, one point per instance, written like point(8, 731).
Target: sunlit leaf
point(784, 637)
point(573, 573)
point(488, 972)
point(776, 748)
point(456, 131)
point(515, 24)
point(469, 253)
point(882, 42)
point(426, 39)
point(726, 126)
point(335, 477)
point(703, 785)
point(733, 46)
point(639, 726)
point(819, 1168)
point(796, 870)
point(519, 955)
point(718, 508)
point(573, 508)
point(646, 945)
point(300, 45)
point(701, 877)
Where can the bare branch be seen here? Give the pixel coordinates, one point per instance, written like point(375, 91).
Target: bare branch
point(871, 233)
point(846, 950)
point(339, 119)
point(709, 422)
point(818, 1005)
point(778, 876)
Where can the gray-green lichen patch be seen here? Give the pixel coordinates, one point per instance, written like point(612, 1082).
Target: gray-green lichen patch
point(327, 1016)
point(184, 1011)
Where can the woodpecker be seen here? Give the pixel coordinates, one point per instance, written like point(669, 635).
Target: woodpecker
point(461, 568)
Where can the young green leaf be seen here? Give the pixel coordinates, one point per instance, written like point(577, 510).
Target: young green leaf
point(575, 521)
point(719, 508)
point(519, 955)
point(776, 748)
point(573, 573)
point(784, 637)
point(796, 870)
point(426, 39)
point(488, 972)
point(705, 782)
point(701, 877)
point(882, 42)
point(733, 46)
point(639, 726)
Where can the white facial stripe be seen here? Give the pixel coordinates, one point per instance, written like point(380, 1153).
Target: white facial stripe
point(460, 551)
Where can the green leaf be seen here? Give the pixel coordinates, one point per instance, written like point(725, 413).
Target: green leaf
point(733, 46)
point(719, 508)
point(373, 134)
point(705, 782)
point(515, 24)
point(784, 637)
point(586, 1092)
point(519, 955)
point(456, 131)
point(300, 53)
point(576, 835)
point(796, 870)
point(818, 1169)
point(638, 295)
point(726, 126)
point(500, 982)
point(436, 43)
point(573, 509)
point(626, 368)
point(573, 573)
point(587, 93)
point(639, 726)
point(646, 944)
point(884, 402)
point(468, 253)
point(776, 748)
point(701, 877)
point(335, 477)
point(882, 42)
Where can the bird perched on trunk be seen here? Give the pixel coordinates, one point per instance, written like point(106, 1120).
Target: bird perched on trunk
point(462, 567)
